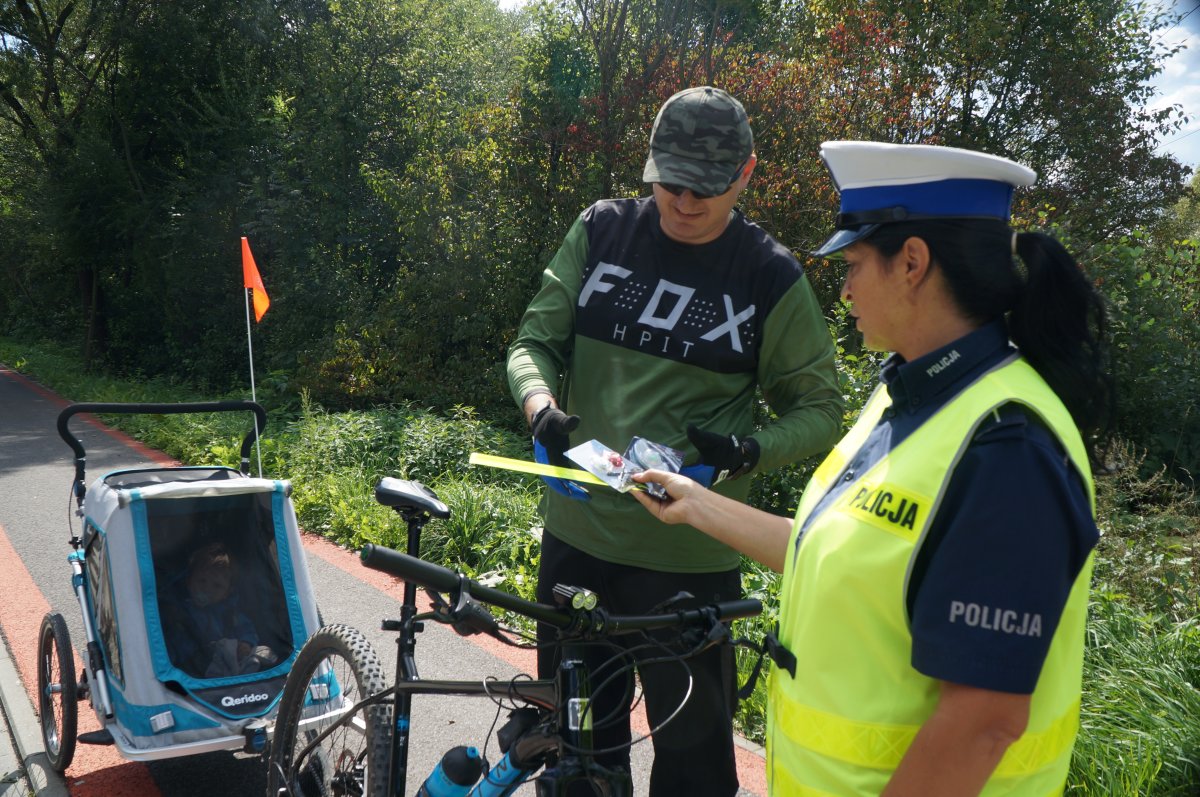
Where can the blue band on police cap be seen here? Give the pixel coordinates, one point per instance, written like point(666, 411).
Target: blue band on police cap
point(959, 197)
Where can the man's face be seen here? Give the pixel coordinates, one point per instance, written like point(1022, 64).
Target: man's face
point(689, 220)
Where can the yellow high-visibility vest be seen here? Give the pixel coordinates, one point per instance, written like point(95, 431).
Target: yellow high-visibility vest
point(843, 723)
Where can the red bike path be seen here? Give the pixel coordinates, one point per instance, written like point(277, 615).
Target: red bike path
point(101, 771)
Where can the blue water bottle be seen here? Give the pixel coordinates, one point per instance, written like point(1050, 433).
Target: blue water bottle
point(455, 774)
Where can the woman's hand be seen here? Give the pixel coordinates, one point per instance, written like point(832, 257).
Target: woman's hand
point(759, 535)
point(682, 494)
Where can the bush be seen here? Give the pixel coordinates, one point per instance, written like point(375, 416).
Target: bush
point(1149, 550)
point(1153, 293)
point(1138, 732)
point(392, 441)
point(493, 532)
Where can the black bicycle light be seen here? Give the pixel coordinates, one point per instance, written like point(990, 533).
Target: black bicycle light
point(576, 597)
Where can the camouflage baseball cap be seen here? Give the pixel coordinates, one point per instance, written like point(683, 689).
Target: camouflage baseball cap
point(701, 138)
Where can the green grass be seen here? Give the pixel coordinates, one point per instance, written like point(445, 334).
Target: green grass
point(1139, 731)
point(1141, 709)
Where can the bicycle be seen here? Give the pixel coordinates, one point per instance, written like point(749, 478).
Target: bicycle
point(341, 730)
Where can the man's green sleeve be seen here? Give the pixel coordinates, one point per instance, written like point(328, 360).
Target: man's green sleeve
point(539, 355)
point(799, 380)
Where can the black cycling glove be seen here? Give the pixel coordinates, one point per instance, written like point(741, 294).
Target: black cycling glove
point(551, 427)
point(728, 455)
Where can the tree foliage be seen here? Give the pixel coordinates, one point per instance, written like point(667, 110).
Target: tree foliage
point(404, 169)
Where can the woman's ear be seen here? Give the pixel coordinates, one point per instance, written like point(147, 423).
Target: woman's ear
point(915, 258)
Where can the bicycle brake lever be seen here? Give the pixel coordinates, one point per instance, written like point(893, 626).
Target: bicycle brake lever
point(717, 634)
point(697, 640)
point(466, 617)
point(469, 618)
point(677, 601)
point(441, 606)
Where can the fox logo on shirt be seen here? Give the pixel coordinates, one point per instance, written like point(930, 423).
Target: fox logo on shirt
point(668, 305)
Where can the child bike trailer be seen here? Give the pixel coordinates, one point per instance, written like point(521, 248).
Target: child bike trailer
point(195, 597)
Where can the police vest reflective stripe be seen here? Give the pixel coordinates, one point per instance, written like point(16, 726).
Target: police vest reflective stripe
point(844, 722)
point(881, 746)
point(784, 784)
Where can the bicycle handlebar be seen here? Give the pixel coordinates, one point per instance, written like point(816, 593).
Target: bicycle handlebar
point(64, 419)
point(440, 579)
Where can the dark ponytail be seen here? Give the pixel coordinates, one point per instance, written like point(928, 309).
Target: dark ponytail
point(1059, 322)
point(1055, 315)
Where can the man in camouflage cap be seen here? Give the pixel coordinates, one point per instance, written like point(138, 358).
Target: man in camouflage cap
point(659, 317)
point(701, 142)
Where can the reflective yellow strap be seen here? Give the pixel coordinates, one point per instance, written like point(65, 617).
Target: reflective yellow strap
point(784, 784)
point(882, 746)
point(829, 468)
point(536, 468)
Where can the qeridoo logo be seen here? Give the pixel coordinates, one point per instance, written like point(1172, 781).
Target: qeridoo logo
point(230, 702)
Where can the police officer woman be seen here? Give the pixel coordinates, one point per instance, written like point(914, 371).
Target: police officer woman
point(935, 577)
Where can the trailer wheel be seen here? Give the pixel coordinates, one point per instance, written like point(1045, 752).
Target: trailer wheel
point(58, 700)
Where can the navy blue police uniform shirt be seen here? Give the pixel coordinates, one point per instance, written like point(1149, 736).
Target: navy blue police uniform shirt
point(1015, 527)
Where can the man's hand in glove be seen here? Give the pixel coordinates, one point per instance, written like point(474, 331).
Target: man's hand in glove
point(551, 428)
point(721, 456)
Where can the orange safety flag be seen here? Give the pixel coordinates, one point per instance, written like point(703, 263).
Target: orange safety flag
point(252, 280)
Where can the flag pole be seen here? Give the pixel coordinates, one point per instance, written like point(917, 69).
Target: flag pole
point(253, 396)
point(250, 349)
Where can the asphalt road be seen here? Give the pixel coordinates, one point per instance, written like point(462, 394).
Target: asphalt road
point(36, 522)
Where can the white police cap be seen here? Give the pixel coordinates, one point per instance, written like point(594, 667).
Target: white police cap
point(881, 183)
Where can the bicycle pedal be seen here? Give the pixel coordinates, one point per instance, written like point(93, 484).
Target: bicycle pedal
point(390, 625)
point(100, 737)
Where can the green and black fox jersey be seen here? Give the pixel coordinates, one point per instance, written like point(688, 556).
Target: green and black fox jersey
point(641, 335)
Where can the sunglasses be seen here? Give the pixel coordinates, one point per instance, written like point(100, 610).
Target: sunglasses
point(676, 190)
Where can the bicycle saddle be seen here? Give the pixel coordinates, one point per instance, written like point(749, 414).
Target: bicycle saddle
point(401, 493)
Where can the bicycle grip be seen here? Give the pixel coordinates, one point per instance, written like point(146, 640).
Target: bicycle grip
point(739, 609)
point(418, 571)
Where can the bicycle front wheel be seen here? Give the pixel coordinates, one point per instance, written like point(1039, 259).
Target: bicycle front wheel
point(334, 670)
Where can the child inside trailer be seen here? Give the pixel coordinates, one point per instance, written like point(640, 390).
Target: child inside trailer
point(208, 634)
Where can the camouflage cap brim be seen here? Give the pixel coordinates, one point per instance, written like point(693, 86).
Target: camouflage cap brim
point(702, 176)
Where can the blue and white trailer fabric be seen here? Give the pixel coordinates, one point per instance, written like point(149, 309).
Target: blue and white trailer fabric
point(142, 530)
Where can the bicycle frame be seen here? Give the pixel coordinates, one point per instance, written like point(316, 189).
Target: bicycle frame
point(574, 722)
point(552, 724)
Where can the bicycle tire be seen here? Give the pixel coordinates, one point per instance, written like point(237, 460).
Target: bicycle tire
point(58, 697)
point(336, 664)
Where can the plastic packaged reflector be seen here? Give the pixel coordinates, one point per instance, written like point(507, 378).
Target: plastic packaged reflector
point(617, 470)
